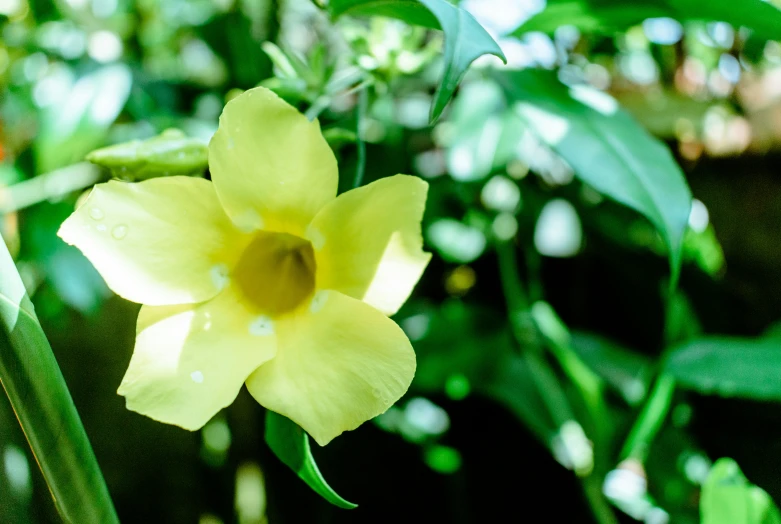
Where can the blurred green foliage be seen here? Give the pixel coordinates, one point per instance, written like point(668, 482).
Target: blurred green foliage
point(562, 374)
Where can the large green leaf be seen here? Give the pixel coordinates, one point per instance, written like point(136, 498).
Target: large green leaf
point(465, 39)
point(730, 367)
point(43, 405)
point(729, 498)
point(608, 16)
point(77, 123)
point(607, 149)
point(291, 445)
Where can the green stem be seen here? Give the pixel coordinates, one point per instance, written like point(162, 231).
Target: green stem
point(650, 420)
point(42, 403)
point(49, 186)
point(527, 338)
point(360, 114)
point(657, 406)
point(546, 382)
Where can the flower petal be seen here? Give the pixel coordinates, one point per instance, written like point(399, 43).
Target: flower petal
point(368, 243)
point(340, 363)
point(271, 166)
point(159, 242)
point(190, 361)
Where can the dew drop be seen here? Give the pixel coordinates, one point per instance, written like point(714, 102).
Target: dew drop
point(261, 326)
point(377, 393)
point(197, 377)
point(316, 237)
point(318, 301)
point(231, 144)
point(96, 213)
point(219, 274)
point(249, 220)
point(101, 227)
point(119, 231)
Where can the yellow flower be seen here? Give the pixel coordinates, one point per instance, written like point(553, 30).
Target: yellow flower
point(262, 276)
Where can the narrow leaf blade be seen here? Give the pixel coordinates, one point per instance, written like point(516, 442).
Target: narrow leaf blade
point(465, 41)
point(38, 393)
point(290, 444)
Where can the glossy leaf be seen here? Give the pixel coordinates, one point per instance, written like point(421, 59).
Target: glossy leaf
point(607, 149)
point(465, 39)
point(729, 367)
point(76, 123)
point(729, 498)
point(38, 393)
point(290, 444)
point(609, 16)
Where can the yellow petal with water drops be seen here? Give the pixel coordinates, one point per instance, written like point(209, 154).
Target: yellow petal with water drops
point(271, 166)
point(368, 242)
point(190, 361)
point(159, 242)
point(340, 363)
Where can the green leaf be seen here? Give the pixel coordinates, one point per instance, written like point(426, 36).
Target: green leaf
point(78, 123)
point(729, 367)
point(465, 42)
point(625, 370)
point(609, 16)
point(38, 393)
point(607, 149)
point(290, 444)
point(410, 11)
point(455, 241)
point(170, 153)
point(465, 39)
point(729, 498)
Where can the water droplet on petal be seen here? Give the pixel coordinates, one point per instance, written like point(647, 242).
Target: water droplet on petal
point(219, 274)
point(231, 144)
point(96, 213)
point(377, 393)
point(261, 326)
point(197, 377)
point(119, 231)
point(316, 237)
point(249, 220)
point(318, 301)
point(101, 227)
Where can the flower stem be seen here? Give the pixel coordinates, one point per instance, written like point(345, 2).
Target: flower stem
point(525, 334)
point(360, 114)
point(44, 407)
point(650, 420)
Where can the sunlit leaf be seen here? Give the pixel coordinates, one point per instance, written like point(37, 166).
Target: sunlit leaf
point(729, 367)
point(607, 149)
point(77, 122)
point(465, 39)
point(291, 445)
point(44, 407)
point(729, 498)
point(609, 16)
